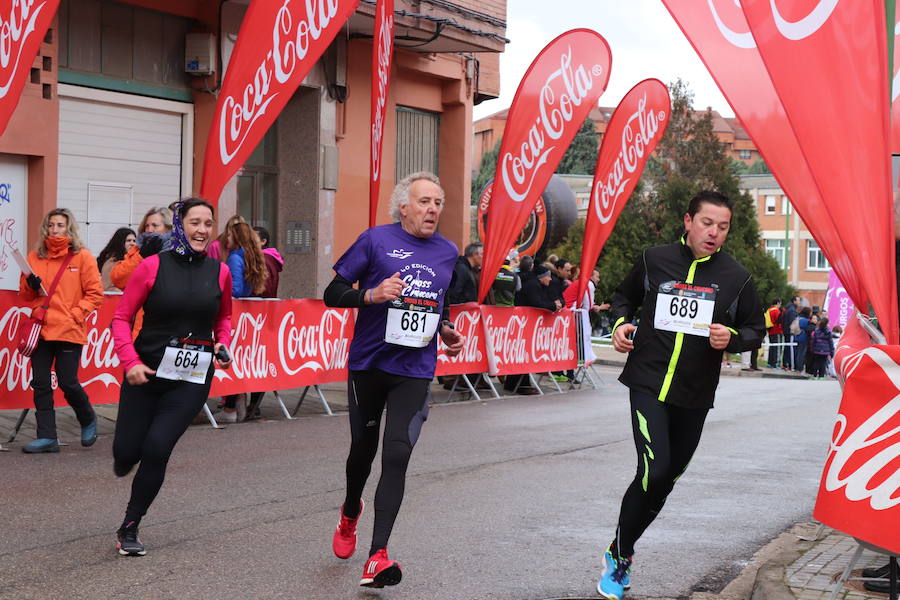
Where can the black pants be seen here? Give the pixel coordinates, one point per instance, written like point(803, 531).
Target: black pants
point(665, 437)
point(67, 357)
point(152, 417)
point(775, 352)
point(819, 365)
point(406, 400)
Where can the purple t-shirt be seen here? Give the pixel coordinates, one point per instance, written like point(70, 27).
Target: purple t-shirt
point(426, 264)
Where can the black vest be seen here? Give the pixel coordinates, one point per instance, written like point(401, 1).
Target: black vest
point(183, 302)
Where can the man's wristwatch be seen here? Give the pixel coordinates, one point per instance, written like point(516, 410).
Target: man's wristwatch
point(446, 323)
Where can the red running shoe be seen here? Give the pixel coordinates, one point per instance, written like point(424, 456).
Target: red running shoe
point(344, 541)
point(381, 571)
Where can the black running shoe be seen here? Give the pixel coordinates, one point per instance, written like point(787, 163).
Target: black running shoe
point(880, 572)
point(127, 542)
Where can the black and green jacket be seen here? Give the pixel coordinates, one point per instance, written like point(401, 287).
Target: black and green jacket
point(677, 368)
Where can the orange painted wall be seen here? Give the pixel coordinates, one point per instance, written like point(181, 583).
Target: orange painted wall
point(422, 81)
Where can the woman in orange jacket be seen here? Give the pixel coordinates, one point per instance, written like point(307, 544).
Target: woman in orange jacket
point(78, 293)
point(155, 224)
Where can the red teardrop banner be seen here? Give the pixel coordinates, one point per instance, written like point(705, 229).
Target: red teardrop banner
point(23, 26)
point(556, 94)
point(828, 61)
point(277, 45)
point(631, 136)
point(721, 37)
point(382, 54)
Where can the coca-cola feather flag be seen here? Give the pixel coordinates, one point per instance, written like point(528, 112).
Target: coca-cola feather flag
point(556, 94)
point(828, 63)
point(382, 53)
point(719, 33)
point(278, 43)
point(23, 26)
point(632, 134)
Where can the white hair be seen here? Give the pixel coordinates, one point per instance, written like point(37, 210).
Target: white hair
point(400, 195)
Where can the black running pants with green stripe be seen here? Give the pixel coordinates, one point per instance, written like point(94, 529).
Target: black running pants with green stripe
point(665, 437)
point(406, 401)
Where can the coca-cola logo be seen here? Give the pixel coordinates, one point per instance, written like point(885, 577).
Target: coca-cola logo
point(468, 324)
point(316, 347)
point(383, 52)
point(791, 28)
point(508, 343)
point(249, 352)
point(564, 89)
point(14, 32)
point(100, 351)
point(15, 369)
point(638, 138)
point(290, 44)
point(860, 456)
point(551, 342)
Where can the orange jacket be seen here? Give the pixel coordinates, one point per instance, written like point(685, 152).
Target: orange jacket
point(78, 294)
point(121, 273)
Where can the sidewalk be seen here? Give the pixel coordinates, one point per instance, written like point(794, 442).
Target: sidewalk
point(796, 566)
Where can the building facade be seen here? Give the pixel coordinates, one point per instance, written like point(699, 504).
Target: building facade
point(115, 116)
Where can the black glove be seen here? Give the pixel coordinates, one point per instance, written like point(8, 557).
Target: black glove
point(151, 245)
point(34, 282)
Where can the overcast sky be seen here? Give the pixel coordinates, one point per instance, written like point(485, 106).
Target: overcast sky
point(643, 37)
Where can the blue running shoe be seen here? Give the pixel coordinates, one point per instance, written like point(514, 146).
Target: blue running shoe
point(41, 445)
point(615, 577)
point(89, 433)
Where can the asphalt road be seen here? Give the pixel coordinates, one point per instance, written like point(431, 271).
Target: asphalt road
point(506, 499)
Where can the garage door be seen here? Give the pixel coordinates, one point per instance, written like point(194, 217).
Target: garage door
point(116, 161)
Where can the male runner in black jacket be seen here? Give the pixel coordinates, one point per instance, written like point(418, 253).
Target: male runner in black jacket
point(697, 302)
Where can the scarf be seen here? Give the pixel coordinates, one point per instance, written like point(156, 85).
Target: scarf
point(57, 247)
point(179, 241)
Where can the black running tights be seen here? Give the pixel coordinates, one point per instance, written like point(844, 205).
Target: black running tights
point(665, 437)
point(406, 399)
point(152, 417)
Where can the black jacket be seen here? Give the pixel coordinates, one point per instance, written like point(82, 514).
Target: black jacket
point(686, 376)
point(536, 295)
point(464, 288)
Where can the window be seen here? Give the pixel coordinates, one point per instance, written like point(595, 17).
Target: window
point(815, 258)
point(257, 185)
point(785, 206)
point(770, 205)
point(417, 141)
point(776, 249)
point(744, 154)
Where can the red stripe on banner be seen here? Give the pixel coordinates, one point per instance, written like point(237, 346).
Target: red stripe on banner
point(634, 130)
point(277, 45)
point(382, 55)
point(555, 96)
point(24, 26)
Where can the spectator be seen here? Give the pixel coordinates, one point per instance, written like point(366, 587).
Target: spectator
point(62, 258)
point(526, 272)
point(507, 283)
point(775, 331)
point(801, 339)
point(151, 239)
point(788, 315)
point(560, 272)
point(810, 329)
point(119, 244)
point(248, 278)
point(535, 293)
point(215, 248)
point(274, 263)
point(822, 349)
point(464, 287)
point(836, 333)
